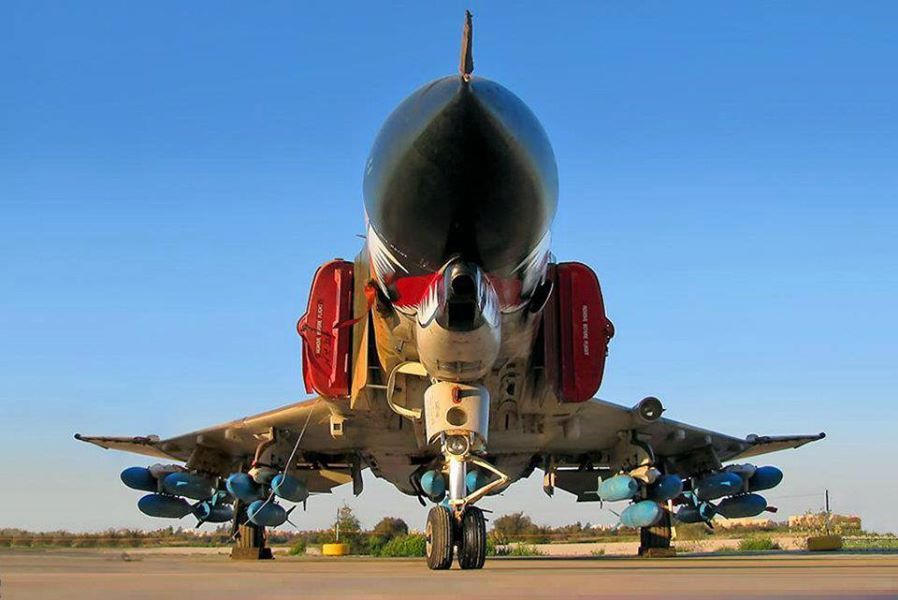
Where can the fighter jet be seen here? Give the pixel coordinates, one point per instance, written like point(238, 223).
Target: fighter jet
point(454, 356)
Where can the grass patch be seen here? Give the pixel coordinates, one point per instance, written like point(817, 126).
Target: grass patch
point(518, 550)
point(692, 531)
point(404, 545)
point(886, 542)
point(757, 543)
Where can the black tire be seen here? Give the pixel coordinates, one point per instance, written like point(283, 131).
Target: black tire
point(656, 536)
point(439, 539)
point(472, 541)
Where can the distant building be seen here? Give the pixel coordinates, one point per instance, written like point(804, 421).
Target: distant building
point(818, 521)
point(753, 523)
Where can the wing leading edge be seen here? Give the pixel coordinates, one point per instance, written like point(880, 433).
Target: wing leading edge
point(222, 448)
point(601, 421)
point(686, 449)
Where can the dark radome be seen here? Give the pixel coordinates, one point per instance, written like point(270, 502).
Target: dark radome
point(461, 169)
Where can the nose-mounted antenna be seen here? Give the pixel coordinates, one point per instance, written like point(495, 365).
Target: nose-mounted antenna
point(466, 64)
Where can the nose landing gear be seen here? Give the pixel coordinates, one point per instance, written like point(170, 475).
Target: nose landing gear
point(457, 523)
point(457, 416)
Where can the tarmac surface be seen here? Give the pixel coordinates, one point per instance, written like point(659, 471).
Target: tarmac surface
point(75, 574)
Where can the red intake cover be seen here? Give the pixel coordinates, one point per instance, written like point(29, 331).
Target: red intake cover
point(576, 332)
point(326, 331)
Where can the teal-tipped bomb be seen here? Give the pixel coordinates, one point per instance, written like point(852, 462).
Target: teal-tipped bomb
point(289, 488)
point(140, 478)
point(705, 511)
point(209, 513)
point(267, 514)
point(619, 487)
point(765, 478)
point(188, 485)
point(718, 485)
point(160, 505)
point(242, 487)
point(641, 514)
point(475, 480)
point(742, 506)
point(666, 487)
point(433, 483)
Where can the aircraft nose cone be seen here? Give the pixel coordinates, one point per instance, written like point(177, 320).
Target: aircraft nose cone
point(461, 169)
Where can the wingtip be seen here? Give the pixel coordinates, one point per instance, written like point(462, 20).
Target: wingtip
point(78, 437)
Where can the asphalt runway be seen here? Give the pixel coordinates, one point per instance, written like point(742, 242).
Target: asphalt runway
point(27, 574)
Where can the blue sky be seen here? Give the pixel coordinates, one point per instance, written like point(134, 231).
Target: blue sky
point(171, 174)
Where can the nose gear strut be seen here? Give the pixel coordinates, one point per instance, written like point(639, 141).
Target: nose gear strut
point(457, 416)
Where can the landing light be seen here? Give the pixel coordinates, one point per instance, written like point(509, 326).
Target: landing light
point(457, 445)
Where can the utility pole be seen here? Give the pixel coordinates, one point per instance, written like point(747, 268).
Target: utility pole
point(828, 513)
point(337, 526)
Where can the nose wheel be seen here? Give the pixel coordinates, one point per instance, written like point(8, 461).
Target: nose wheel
point(472, 541)
point(443, 533)
point(439, 538)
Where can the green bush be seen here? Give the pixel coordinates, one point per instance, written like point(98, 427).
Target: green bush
point(390, 527)
point(298, 549)
point(405, 545)
point(757, 544)
point(376, 544)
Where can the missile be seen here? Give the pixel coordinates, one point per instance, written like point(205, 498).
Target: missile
point(666, 487)
point(267, 514)
point(765, 478)
point(641, 514)
point(475, 480)
point(619, 487)
point(140, 478)
point(242, 487)
point(433, 483)
point(160, 505)
point(696, 514)
point(742, 506)
point(189, 485)
point(289, 488)
point(206, 512)
point(718, 485)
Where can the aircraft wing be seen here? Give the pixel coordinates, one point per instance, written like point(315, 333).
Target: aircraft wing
point(221, 449)
point(673, 438)
point(686, 449)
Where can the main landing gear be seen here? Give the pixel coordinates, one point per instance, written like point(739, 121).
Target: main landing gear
point(654, 541)
point(445, 535)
